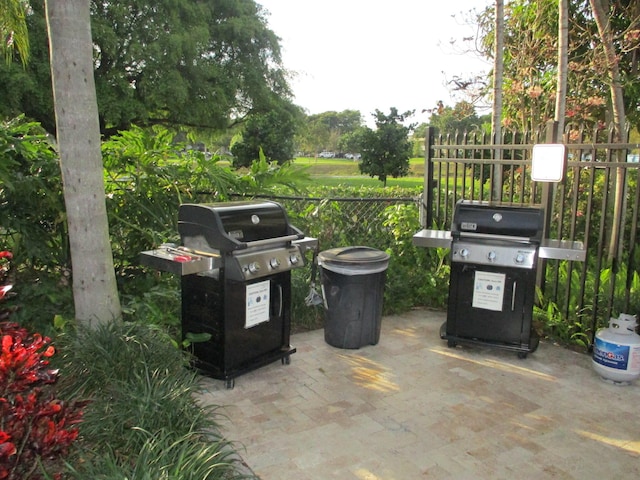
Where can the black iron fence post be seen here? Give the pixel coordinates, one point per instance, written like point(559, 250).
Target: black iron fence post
point(427, 195)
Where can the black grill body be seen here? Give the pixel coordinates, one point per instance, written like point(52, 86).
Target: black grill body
point(245, 303)
point(494, 257)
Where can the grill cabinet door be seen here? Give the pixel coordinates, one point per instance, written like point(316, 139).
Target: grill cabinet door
point(508, 321)
point(220, 308)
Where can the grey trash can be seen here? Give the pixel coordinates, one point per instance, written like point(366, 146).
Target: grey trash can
point(353, 281)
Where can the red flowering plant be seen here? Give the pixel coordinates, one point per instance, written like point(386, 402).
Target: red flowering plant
point(36, 428)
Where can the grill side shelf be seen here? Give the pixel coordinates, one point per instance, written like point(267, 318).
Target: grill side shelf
point(432, 239)
point(177, 262)
point(562, 250)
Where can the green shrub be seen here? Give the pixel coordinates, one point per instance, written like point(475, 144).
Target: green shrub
point(143, 419)
point(147, 176)
point(163, 456)
point(415, 276)
point(33, 224)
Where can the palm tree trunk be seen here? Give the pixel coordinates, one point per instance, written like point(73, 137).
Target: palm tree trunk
point(600, 9)
point(563, 53)
point(496, 118)
point(95, 293)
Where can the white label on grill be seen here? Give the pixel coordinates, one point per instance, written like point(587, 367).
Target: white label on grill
point(468, 226)
point(488, 291)
point(257, 303)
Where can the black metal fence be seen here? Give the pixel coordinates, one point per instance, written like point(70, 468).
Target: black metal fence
point(597, 204)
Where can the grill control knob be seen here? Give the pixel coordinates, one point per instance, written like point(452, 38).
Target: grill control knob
point(491, 256)
point(520, 258)
point(464, 253)
point(254, 267)
point(274, 262)
point(293, 258)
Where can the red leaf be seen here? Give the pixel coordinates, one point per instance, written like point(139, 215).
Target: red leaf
point(7, 449)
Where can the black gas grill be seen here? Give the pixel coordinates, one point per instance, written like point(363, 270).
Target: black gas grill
point(235, 260)
point(494, 259)
point(494, 253)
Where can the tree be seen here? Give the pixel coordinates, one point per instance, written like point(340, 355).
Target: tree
point(461, 118)
point(496, 117)
point(196, 64)
point(328, 130)
point(563, 58)
point(78, 134)
point(531, 62)
point(27, 89)
point(600, 9)
point(349, 142)
point(273, 132)
point(602, 82)
point(618, 110)
point(386, 150)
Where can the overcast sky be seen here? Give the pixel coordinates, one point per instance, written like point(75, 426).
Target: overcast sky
point(373, 54)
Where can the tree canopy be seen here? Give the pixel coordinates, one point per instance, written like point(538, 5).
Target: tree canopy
point(461, 118)
point(199, 64)
point(272, 132)
point(328, 130)
point(531, 34)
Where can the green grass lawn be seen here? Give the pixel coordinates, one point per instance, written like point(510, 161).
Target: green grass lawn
point(340, 171)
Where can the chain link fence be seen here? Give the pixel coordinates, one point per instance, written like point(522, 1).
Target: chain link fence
point(341, 221)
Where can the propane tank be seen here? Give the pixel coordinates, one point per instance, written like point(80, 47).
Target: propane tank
point(616, 352)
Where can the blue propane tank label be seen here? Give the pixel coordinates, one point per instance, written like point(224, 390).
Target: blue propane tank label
point(610, 354)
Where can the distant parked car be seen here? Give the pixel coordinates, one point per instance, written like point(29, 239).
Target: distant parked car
point(326, 154)
point(352, 156)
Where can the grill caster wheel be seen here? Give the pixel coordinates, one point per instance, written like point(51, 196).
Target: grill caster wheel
point(522, 355)
point(452, 343)
point(230, 383)
point(286, 360)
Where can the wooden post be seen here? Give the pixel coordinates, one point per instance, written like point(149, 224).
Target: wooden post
point(547, 188)
point(547, 204)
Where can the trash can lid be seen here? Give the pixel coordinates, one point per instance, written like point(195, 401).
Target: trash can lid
point(354, 260)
